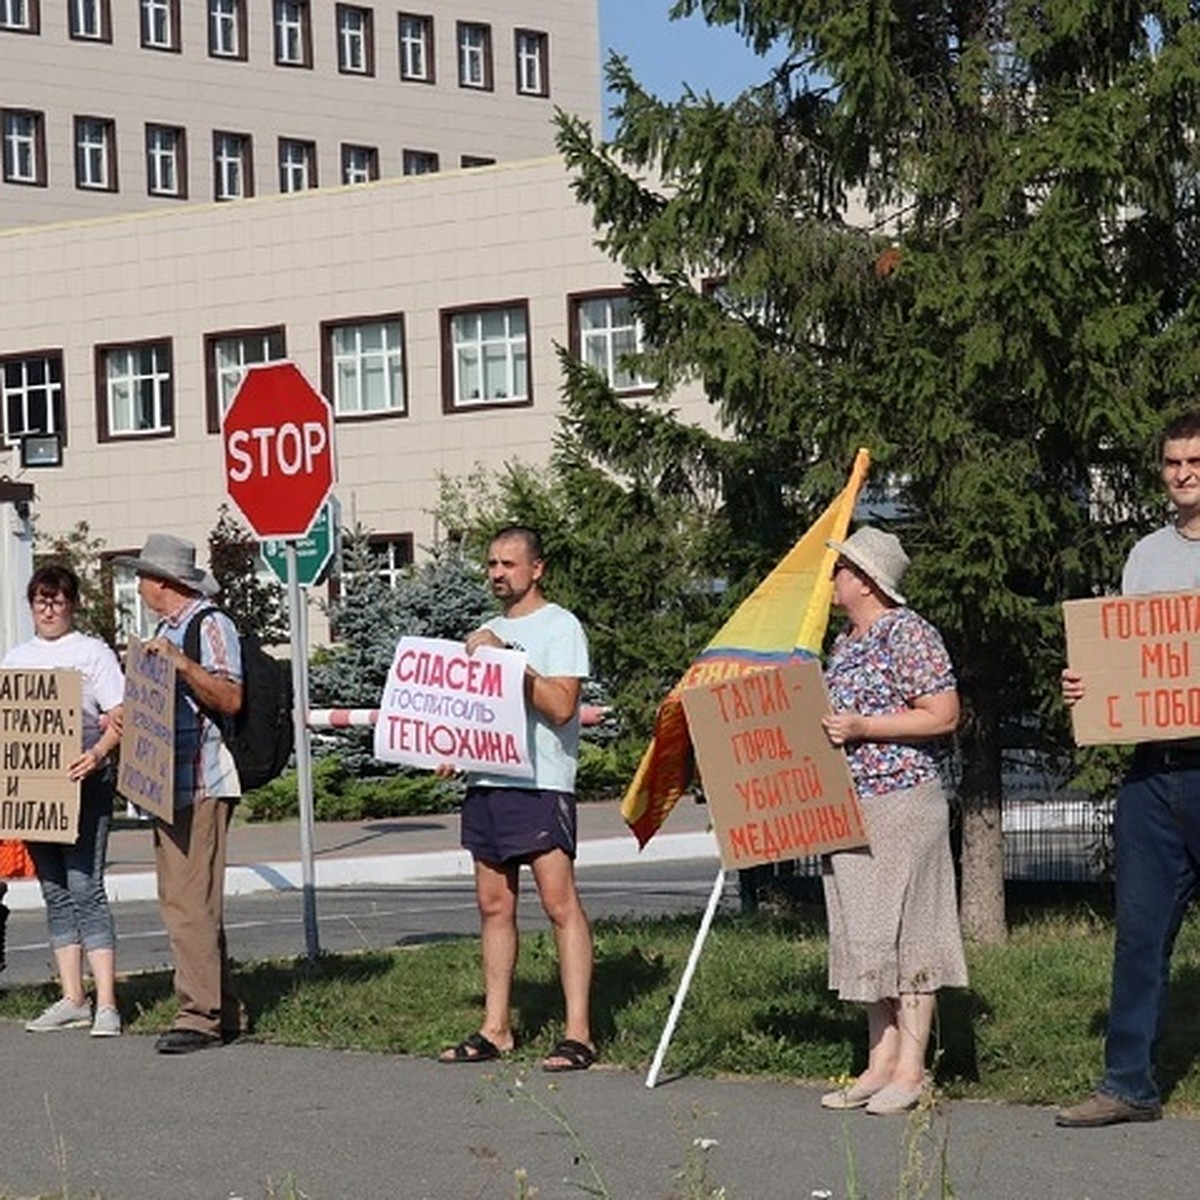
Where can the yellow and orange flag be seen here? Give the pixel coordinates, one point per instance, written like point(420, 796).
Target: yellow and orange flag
point(784, 618)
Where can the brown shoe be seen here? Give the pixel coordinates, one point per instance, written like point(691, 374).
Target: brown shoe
point(1102, 1109)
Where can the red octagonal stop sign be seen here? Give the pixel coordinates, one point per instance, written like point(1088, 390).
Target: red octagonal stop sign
point(279, 465)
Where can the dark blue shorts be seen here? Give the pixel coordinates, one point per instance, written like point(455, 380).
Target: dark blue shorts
point(501, 825)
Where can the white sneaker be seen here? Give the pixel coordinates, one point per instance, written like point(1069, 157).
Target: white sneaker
point(107, 1022)
point(62, 1014)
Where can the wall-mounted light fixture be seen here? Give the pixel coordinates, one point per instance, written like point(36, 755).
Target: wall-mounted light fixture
point(41, 450)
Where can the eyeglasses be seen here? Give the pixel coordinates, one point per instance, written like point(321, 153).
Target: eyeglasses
point(54, 602)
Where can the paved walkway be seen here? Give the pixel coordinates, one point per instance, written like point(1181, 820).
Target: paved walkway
point(256, 1122)
point(114, 1119)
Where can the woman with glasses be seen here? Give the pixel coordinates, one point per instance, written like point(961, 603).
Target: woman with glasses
point(894, 936)
point(72, 876)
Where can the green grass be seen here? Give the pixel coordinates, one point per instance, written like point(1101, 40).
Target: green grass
point(1028, 1030)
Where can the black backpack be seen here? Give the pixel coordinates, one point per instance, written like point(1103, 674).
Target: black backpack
point(261, 736)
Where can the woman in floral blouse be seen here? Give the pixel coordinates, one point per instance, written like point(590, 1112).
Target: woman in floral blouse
point(894, 936)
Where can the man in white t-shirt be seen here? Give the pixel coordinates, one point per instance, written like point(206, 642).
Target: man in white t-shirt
point(1156, 834)
point(508, 821)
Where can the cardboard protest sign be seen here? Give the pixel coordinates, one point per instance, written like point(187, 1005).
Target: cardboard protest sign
point(146, 776)
point(776, 789)
point(441, 705)
point(41, 733)
point(1139, 657)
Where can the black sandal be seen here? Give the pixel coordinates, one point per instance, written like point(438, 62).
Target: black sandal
point(576, 1056)
point(473, 1049)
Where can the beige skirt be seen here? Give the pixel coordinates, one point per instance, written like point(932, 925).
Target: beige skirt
point(893, 915)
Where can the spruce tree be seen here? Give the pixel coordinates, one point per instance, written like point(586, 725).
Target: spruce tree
point(964, 235)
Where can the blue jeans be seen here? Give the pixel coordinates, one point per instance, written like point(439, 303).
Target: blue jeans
point(72, 876)
point(1157, 841)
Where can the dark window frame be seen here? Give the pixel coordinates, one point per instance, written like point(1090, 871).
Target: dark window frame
point(175, 46)
point(104, 433)
point(347, 148)
point(334, 586)
point(243, 49)
point(368, 69)
point(426, 20)
point(409, 155)
point(489, 69)
point(247, 142)
point(305, 61)
point(104, 8)
point(212, 387)
point(181, 162)
point(58, 404)
point(543, 60)
point(109, 125)
point(450, 402)
point(575, 333)
point(310, 156)
point(33, 23)
point(41, 173)
point(327, 380)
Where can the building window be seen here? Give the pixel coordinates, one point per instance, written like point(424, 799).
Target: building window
point(362, 366)
point(355, 40)
point(33, 394)
point(486, 357)
point(133, 617)
point(135, 388)
point(90, 20)
point(360, 164)
point(476, 160)
point(160, 24)
point(24, 147)
point(391, 555)
point(416, 48)
point(95, 154)
point(419, 162)
point(604, 333)
point(226, 357)
point(20, 16)
point(474, 55)
point(293, 33)
point(297, 165)
point(233, 166)
point(227, 29)
point(166, 161)
point(533, 63)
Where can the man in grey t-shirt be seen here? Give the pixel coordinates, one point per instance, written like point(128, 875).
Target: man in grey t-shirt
point(507, 822)
point(1157, 829)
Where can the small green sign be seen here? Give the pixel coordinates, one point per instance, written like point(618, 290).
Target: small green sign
point(314, 552)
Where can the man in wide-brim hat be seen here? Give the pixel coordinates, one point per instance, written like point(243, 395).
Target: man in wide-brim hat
point(190, 849)
point(165, 556)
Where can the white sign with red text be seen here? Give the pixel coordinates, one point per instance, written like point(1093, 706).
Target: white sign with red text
point(442, 706)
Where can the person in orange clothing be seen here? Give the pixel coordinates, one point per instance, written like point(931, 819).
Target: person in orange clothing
point(15, 863)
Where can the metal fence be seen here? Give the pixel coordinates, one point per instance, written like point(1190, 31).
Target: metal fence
point(1063, 839)
point(1052, 834)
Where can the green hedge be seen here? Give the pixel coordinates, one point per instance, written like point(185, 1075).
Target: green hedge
point(340, 795)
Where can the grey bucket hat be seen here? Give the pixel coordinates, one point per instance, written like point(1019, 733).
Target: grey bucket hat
point(165, 556)
point(879, 556)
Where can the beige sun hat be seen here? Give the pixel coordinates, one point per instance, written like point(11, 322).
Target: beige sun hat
point(165, 556)
point(879, 556)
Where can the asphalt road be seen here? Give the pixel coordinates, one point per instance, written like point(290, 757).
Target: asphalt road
point(271, 924)
point(251, 1121)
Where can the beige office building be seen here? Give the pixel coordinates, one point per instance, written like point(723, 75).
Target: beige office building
point(425, 296)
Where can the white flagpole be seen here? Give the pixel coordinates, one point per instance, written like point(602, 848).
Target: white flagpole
point(686, 981)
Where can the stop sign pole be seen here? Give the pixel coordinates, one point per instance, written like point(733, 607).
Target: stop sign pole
point(279, 471)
